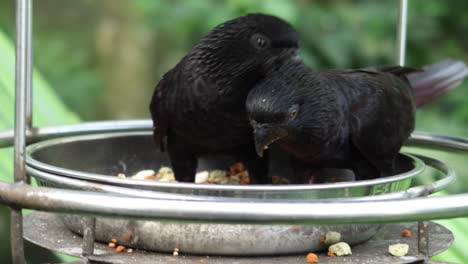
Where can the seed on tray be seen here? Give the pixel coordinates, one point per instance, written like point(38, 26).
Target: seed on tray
point(114, 240)
point(312, 258)
point(340, 249)
point(111, 245)
point(332, 238)
point(398, 250)
point(127, 236)
point(144, 175)
point(406, 233)
point(120, 248)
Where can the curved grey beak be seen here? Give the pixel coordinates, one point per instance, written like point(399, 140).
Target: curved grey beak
point(265, 135)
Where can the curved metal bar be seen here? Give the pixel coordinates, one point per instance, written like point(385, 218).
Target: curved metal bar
point(323, 212)
point(413, 192)
point(49, 132)
point(420, 138)
point(448, 176)
point(438, 141)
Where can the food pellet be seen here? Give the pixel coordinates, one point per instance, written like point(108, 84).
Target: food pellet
point(130, 250)
point(398, 250)
point(340, 249)
point(330, 254)
point(312, 258)
point(127, 236)
point(114, 240)
point(406, 233)
point(296, 228)
point(332, 238)
point(120, 249)
point(111, 245)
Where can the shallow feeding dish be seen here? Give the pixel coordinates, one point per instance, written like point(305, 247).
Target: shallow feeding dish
point(97, 159)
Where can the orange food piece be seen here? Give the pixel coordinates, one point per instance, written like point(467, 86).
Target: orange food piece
point(114, 240)
point(296, 228)
point(236, 168)
point(312, 258)
point(330, 254)
point(322, 239)
point(120, 249)
point(202, 261)
point(111, 245)
point(127, 236)
point(406, 233)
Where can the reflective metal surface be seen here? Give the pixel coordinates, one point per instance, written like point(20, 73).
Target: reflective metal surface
point(101, 157)
point(48, 231)
point(221, 239)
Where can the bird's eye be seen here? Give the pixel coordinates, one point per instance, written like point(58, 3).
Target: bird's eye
point(259, 41)
point(293, 111)
point(293, 114)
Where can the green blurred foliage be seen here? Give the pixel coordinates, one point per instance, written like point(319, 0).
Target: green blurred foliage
point(103, 58)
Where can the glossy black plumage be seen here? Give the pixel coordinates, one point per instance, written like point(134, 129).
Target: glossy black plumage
point(198, 107)
point(356, 119)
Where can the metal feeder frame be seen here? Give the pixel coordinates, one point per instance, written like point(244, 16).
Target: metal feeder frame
point(20, 194)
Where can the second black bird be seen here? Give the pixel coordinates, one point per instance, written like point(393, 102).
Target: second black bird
point(354, 119)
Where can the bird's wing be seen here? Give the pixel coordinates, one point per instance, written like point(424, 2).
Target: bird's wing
point(159, 112)
point(382, 116)
point(399, 71)
point(180, 99)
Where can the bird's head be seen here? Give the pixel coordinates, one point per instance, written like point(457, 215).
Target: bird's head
point(275, 111)
point(246, 43)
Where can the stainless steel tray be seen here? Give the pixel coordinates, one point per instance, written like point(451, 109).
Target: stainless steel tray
point(91, 162)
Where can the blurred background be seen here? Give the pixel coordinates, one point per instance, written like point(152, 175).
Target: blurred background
point(99, 60)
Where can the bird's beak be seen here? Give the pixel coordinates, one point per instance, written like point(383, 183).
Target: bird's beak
point(265, 135)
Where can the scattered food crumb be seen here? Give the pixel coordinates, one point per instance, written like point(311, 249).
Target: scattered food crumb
point(202, 261)
point(340, 249)
point(111, 245)
point(121, 176)
point(145, 175)
point(295, 228)
point(398, 250)
point(312, 258)
point(406, 233)
point(332, 238)
point(331, 254)
point(322, 239)
point(175, 252)
point(127, 236)
point(114, 240)
point(130, 250)
point(120, 248)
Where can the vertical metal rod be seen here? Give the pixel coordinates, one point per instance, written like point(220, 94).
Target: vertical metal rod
point(402, 21)
point(23, 13)
point(423, 237)
point(88, 224)
point(29, 64)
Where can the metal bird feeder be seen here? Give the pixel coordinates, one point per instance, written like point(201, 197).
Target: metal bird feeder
point(231, 224)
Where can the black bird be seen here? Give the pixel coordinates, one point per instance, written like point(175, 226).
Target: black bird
point(355, 119)
point(198, 107)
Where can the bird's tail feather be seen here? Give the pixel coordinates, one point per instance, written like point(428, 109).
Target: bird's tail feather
point(437, 79)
